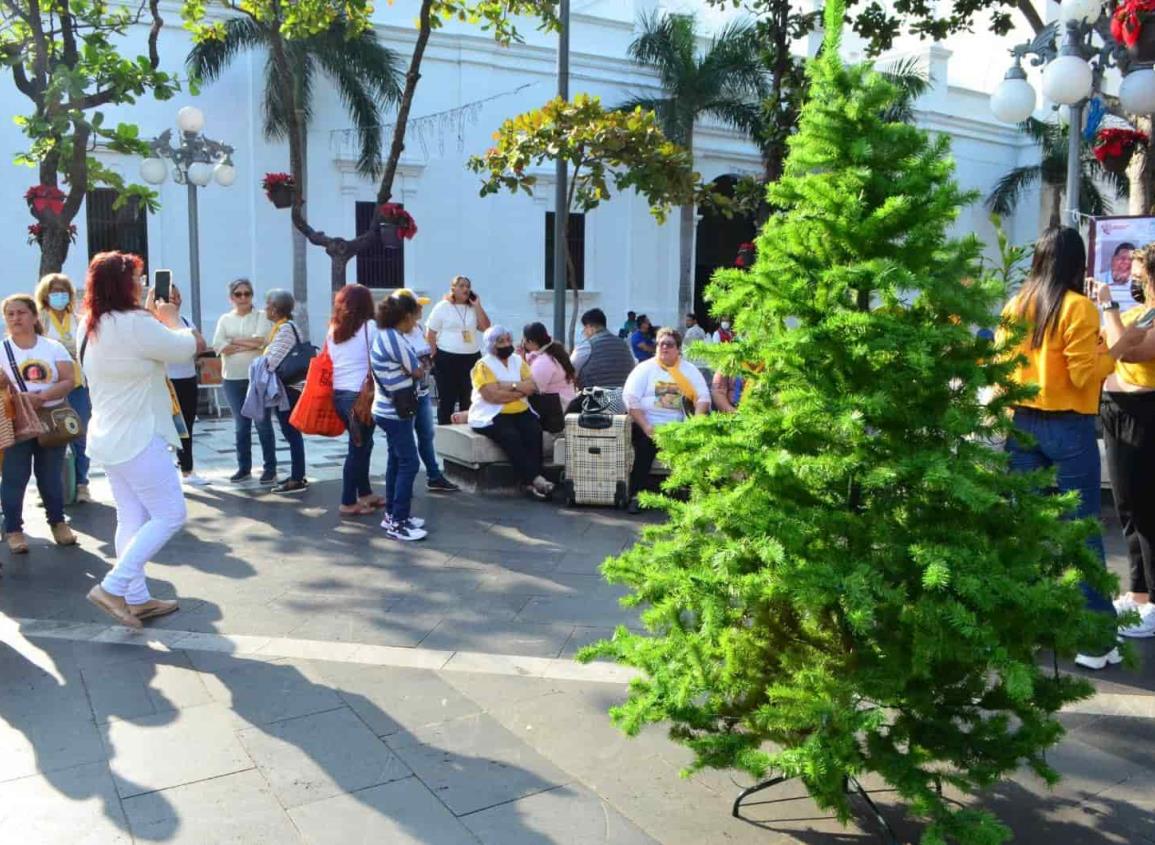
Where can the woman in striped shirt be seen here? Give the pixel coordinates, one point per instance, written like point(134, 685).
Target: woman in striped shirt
point(396, 372)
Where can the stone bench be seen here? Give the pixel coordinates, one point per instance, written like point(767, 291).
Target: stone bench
point(477, 463)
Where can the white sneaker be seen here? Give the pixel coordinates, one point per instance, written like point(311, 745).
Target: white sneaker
point(194, 480)
point(1088, 661)
point(543, 485)
point(1125, 603)
point(1145, 627)
point(404, 531)
point(415, 521)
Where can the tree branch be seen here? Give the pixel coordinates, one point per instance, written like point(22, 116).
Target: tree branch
point(411, 78)
point(1033, 18)
point(154, 33)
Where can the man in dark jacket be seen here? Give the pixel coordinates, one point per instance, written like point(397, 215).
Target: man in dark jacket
point(601, 360)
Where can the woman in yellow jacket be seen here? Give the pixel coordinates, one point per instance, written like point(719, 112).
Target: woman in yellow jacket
point(1128, 415)
point(1066, 360)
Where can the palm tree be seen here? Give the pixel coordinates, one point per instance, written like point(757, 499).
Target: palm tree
point(1051, 171)
point(368, 78)
point(726, 82)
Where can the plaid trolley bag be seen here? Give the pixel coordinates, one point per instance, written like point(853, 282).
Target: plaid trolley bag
point(599, 454)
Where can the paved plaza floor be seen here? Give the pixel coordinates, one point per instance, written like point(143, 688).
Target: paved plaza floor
point(324, 684)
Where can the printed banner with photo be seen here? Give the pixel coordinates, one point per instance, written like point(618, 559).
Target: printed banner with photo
point(1109, 258)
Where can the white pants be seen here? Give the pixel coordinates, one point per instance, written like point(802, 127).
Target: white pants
point(150, 508)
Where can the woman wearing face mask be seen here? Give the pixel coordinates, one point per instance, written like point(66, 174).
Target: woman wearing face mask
point(58, 317)
point(723, 335)
point(454, 333)
point(502, 385)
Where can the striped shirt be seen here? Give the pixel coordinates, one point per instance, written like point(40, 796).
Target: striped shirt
point(393, 359)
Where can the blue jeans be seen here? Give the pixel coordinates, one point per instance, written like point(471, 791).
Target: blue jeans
point(355, 476)
point(424, 422)
point(81, 402)
point(1066, 440)
point(19, 462)
point(402, 467)
point(293, 437)
point(235, 390)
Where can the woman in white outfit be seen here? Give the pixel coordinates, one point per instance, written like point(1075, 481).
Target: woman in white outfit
point(124, 351)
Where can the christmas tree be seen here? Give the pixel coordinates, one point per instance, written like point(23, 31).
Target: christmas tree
point(854, 582)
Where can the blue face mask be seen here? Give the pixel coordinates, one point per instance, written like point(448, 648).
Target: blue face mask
point(58, 300)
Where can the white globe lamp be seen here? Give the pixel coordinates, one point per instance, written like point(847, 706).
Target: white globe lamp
point(1137, 92)
point(1080, 11)
point(200, 173)
point(1014, 99)
point(153, 170)
point(1067, 80)
point(225, 174)
point(190, 119)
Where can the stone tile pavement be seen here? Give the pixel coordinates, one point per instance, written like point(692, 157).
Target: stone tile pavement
point(322, 684)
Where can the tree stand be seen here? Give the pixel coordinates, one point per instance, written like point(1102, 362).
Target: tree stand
point(851, 785)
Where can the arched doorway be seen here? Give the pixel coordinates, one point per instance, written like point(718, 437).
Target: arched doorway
point(718, 239)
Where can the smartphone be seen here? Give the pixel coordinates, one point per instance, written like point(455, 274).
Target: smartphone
point(472, 296)
point(162, 285)
point(1146, 319)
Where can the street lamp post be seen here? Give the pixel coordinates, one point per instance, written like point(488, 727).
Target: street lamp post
point(1073, 71)
point(196, 161)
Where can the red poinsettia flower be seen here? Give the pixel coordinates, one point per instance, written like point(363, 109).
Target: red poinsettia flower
point(1113, 143)
point(41, 198)
point(274, 180)
point(395, 215)
point(1127, 22)
point(36, 232)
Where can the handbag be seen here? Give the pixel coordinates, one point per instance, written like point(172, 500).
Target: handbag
point(61, 424)
point(315, 412)
point(363, 407)
point(7, 426)
point(25, 423)
point(295, 366)
point(404, 399)
point(549, 411)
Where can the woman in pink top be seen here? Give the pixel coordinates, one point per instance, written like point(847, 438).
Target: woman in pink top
point(550, 365)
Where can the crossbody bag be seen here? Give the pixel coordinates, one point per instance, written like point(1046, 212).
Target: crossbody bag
point(61, 424)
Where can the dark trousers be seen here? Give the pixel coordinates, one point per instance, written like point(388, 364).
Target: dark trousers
point(20, 461)
point(186, 397)
point(355, 475)
point(519, 436)
point(294, 438)
point(451, 371)
point(1129, 435)
point(645, 450)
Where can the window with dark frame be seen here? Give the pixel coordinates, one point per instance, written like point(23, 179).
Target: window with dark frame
point(577, 247)
point(124, 229)
point(378, 267)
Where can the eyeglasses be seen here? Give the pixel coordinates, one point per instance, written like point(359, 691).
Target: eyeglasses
point(667, 343)
point(242, 293)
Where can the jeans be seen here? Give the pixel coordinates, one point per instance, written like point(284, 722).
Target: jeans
point(235, 390)
point(402, 466)
point(20, 460)
point(186, 397)
point(1066, 440)
point(150, 508)
point(452, 371)
point(355, 475)
point(294, 438)
point(424, 423)
point(81, 402)
point(519, 436)
point(1129, 435)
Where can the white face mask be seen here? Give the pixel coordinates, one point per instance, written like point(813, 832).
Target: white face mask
point(726, 325)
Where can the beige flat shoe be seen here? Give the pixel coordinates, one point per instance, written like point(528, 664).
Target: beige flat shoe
point(63, 535)
point(153, 608)
point(17, 544)
point(114, 606)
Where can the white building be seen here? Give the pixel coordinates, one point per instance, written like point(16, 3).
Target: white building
point(468, 86)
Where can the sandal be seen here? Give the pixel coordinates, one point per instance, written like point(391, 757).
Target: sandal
point(375, 502)
point(359, 509)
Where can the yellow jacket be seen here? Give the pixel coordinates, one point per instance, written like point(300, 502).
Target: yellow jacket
point(1070, 365)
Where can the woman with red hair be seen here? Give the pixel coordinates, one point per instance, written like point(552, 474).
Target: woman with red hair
point(124, 350)
point(352, 331)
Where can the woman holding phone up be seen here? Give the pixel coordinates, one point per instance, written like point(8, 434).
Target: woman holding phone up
point(1128, 416)
point(454, 332)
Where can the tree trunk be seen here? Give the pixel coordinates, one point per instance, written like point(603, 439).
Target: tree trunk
point(54, 245)
point(686, 260)
point(339, 259)
point(300, 259)
point(1140, 170)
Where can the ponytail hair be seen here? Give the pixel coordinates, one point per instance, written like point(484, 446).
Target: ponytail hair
point(536, 333)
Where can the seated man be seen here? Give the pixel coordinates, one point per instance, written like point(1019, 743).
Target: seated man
point(601, 360)
point(656, 393)
point(499, 409)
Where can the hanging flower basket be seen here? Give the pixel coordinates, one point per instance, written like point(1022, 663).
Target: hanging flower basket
point(746, 254)
point(36, 233)
point(1114, 147)
point(42, 198)
point(279, 188)
point(1133, 26)
point(397, 224)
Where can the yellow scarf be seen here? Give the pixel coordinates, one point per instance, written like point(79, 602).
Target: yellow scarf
point(684, 386)
point(64, 332)
point(273, 332)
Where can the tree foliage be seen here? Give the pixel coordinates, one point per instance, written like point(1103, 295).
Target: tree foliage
point(63, 56)
point(854, 583)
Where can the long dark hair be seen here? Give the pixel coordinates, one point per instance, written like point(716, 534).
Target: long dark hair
point(392, 310)
point(352, 308)
point(536, 333)
point(1059, 265)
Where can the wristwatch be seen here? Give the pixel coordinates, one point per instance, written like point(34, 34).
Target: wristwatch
point(1110, 306)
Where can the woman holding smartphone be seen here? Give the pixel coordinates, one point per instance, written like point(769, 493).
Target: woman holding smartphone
point(1128, 416)
point(454, 333)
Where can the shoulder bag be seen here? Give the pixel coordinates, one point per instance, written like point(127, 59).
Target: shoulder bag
point(363, 407)
point(404, 399)
point(295, 366)
point(61, 424)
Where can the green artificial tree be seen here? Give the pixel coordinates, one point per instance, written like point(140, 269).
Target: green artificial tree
point(852, 582)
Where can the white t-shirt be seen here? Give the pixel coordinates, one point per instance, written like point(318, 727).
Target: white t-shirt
point(351, 358)
point(650, 389)
point(185, 369)
point(38, 366)
point(456, 327)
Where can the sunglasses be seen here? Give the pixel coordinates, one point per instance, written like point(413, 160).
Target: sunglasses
point(668, 343)
point(242, 294)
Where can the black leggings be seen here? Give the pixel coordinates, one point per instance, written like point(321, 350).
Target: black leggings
point(519, 436)
point(452, 373)
point(186, 396)
point(645, 450)
point(1129, 436)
